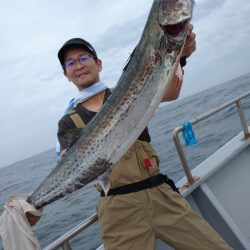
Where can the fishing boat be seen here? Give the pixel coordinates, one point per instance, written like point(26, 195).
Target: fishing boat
point(216, 188)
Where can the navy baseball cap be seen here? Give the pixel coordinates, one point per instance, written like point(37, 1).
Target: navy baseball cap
point(75, 42)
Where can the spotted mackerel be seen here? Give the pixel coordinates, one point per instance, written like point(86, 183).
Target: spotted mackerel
point(128, 110)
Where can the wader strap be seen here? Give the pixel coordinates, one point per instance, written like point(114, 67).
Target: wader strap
point(138, 186)
point(76, 118)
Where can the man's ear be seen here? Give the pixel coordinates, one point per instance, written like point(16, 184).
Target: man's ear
point(99, 64)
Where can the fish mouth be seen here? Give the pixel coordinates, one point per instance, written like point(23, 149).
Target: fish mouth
point(174, 17)
point(176, 32)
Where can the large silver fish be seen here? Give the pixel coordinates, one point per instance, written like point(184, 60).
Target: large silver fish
point(128, 110)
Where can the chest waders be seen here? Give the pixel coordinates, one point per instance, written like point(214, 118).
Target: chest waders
point(150, 182)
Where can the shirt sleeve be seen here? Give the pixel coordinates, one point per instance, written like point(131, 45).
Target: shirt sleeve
point(65, 124)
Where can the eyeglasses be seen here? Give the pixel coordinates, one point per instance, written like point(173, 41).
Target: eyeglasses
point(69, 64)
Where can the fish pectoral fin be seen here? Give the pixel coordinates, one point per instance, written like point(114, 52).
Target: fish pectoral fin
point(104, 181)
point(71, 135)
point(74, 132)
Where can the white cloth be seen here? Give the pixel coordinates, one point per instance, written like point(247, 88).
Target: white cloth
point(15, 229)
point(82, 96)
point(85, 94)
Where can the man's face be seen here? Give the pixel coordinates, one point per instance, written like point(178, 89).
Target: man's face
point(83, 73)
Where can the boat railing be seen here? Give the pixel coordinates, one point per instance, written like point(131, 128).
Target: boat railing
point(64, 241)
point(204, 116)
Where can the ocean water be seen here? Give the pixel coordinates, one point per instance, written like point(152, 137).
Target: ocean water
point(24, 176)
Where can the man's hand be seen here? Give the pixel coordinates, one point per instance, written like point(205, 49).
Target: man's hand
point(32, 219)
point(190, 44)
point(173, 90)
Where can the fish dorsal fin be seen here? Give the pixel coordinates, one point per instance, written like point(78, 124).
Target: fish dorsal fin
point(128, 61)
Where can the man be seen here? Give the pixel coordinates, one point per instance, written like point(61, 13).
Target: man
point(132, 220)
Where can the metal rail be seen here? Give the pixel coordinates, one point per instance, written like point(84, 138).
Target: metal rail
point(204, 116)
point(64, 241)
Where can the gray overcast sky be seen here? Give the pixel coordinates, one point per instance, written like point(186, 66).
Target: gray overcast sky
point(33, 90)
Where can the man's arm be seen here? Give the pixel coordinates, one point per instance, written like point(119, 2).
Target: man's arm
point(174, 88)
point(63, 151)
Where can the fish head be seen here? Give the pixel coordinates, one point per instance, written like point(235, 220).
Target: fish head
point(174, 18)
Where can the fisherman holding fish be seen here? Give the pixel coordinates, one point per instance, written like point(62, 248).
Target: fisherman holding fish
point(138, 204)
point(133, 213)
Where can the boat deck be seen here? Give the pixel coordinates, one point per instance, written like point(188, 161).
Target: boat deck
point(221, 195)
